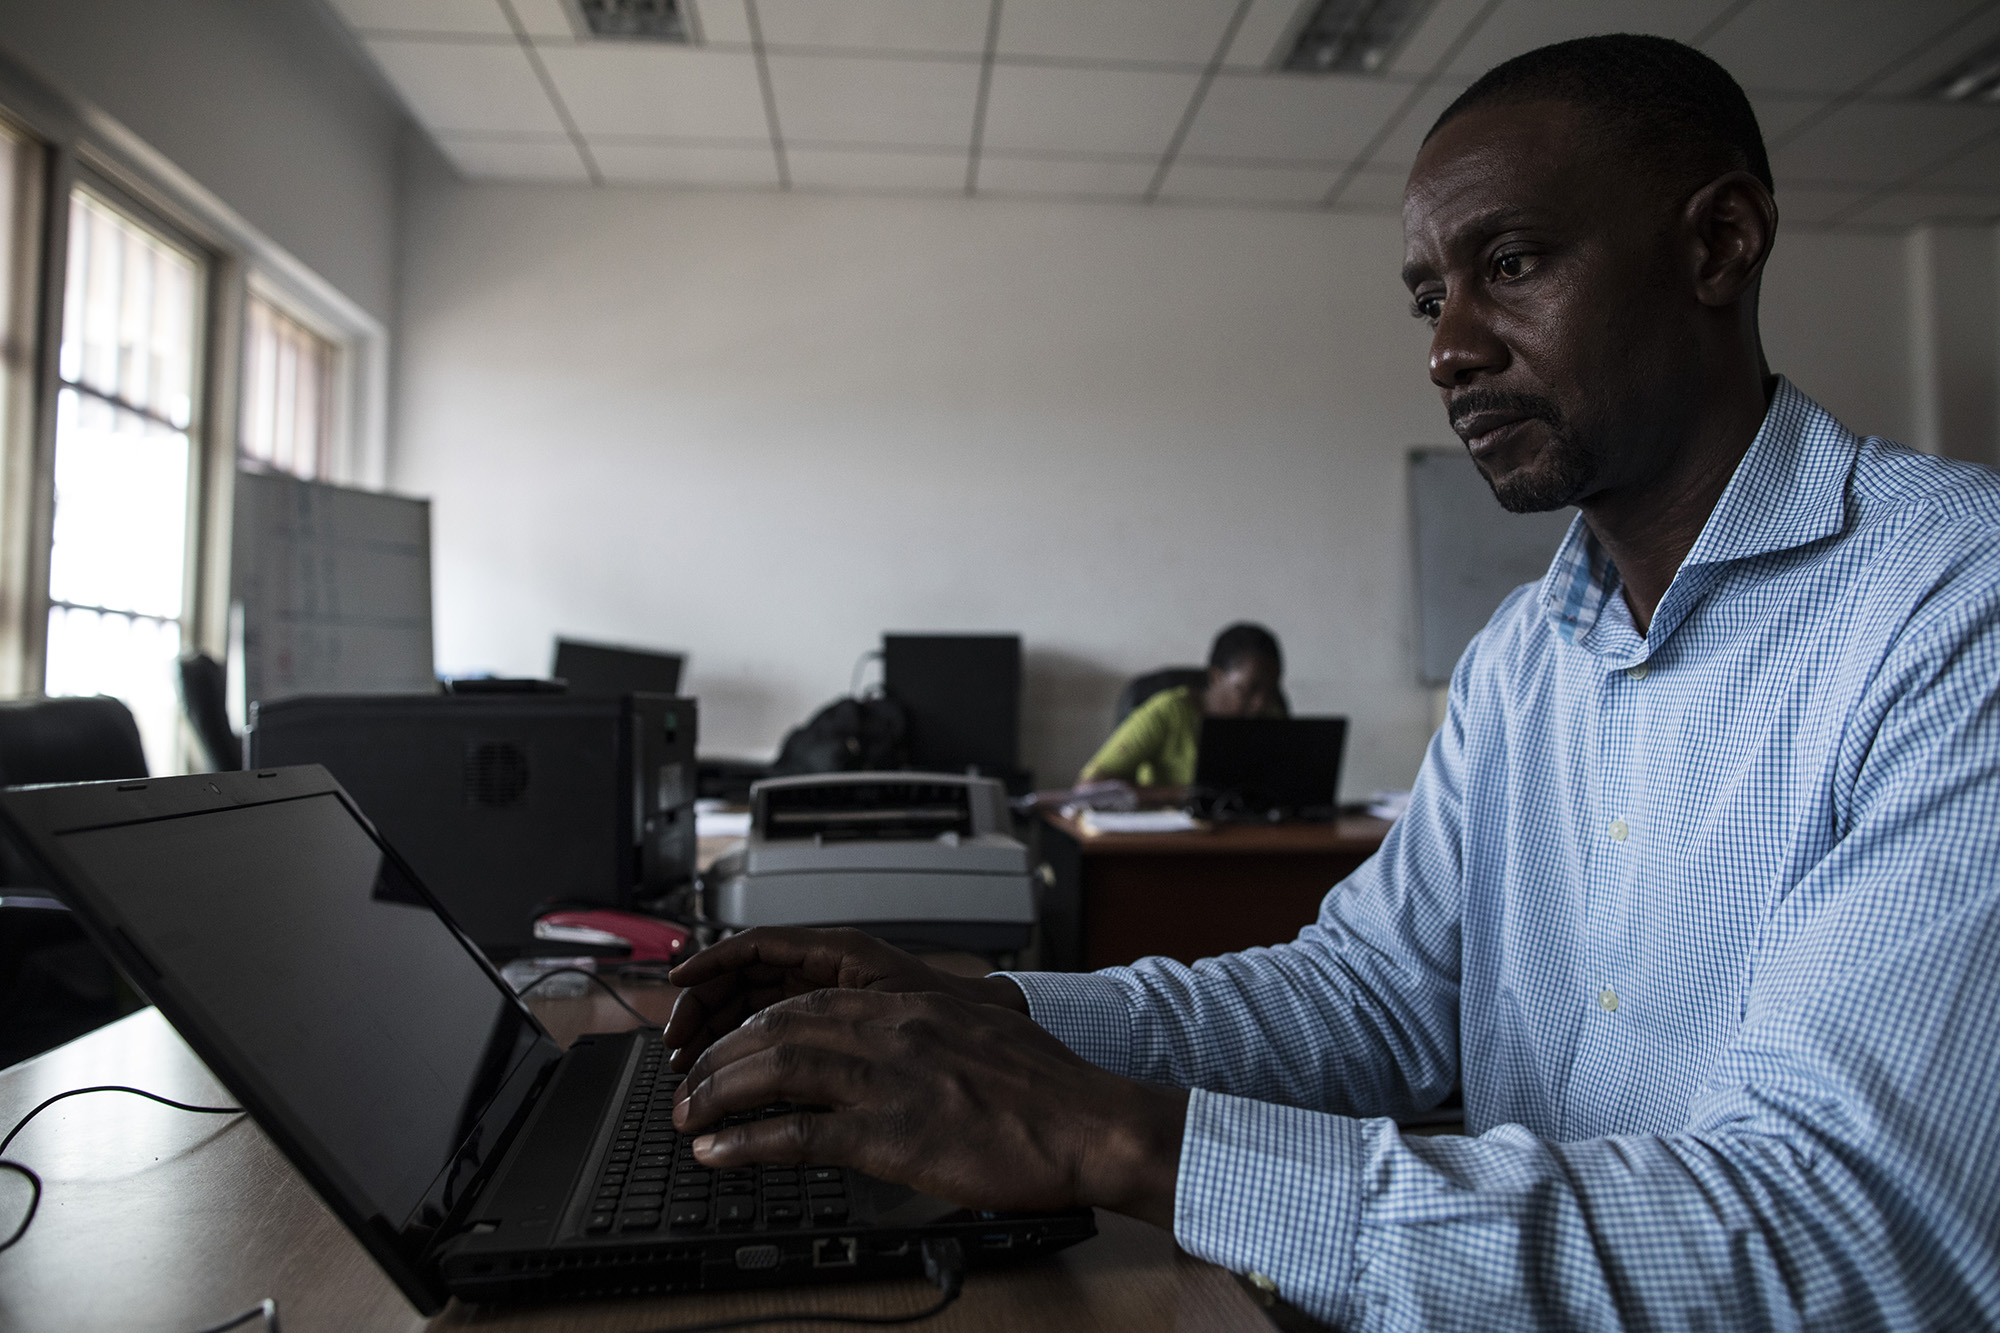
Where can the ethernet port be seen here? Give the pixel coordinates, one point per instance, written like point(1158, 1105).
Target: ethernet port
point(835, 1252)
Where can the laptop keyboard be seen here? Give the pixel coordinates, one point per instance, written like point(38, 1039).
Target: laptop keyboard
point(651, 1183)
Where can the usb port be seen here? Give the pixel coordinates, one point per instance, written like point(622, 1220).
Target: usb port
point(997, 1240)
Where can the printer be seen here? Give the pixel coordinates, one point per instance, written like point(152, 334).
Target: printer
point(918, 859)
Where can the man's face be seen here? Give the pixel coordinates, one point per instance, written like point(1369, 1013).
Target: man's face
point(1546, 273)
point(1247, 687)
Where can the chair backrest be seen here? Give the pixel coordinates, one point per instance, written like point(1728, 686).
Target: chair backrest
point(1141, 688)
point(68, 740)
point(205, 700)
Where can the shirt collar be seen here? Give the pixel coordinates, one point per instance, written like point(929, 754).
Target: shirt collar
point(1790, 489)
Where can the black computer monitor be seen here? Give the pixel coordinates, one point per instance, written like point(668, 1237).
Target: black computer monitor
point(603, 671)
point(507, 804)
point(1260, 765)
point(963, 696)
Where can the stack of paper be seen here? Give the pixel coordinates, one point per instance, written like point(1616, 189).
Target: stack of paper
point(1094, 822)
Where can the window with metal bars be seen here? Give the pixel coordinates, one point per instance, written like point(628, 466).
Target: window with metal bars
point(124, 465)
point(286, 423)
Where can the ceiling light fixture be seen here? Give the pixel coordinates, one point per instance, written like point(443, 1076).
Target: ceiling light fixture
point(1977, 79)
point(635, 20)
point(1352, 36)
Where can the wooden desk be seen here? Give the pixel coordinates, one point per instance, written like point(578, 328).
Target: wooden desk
point(153, 1219)
point(1116, 897)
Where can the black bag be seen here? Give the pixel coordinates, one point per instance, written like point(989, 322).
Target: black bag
point(847, 736)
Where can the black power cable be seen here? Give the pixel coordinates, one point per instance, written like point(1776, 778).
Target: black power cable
point(592, 977)
point(944, 1264)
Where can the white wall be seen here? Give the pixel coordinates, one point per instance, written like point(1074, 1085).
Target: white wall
point(264, 102)
point(765, 428)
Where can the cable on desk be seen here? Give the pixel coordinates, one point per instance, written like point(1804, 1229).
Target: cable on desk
point(35, 1181)
point(267, 1307)
point(944, 1265)
point(588, 975)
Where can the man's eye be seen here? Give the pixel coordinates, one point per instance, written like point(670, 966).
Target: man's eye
point(1512, 264)
point(1427, 307)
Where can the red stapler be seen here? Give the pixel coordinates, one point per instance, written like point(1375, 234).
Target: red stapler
point(650, 939)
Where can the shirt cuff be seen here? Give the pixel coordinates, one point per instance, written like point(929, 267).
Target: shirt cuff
point(1273, 1190)
point(1086, 1012)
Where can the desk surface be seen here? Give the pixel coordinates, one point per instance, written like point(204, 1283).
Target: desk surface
point(1348, 833)
point(153, 1219)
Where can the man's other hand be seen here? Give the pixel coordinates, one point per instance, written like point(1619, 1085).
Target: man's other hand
point(731, 980)
point(969, 1102)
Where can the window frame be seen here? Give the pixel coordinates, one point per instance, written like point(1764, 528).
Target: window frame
point(78, 144)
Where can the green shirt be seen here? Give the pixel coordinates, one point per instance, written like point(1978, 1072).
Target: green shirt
point(1155, 746)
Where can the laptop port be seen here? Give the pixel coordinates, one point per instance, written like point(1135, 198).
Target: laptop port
point(835, 1252)
point(756, 1256)
point(997, 1240)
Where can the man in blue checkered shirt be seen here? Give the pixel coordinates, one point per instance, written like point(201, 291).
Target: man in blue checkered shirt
point(1698, 894)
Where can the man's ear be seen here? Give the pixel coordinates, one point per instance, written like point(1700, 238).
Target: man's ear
point(1731, 222)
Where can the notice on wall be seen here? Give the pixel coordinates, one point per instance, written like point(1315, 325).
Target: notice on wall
point(1470, 554)
point(334, 586)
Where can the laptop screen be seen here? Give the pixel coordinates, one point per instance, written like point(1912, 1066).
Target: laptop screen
point(1272, 763)
point(325, 977)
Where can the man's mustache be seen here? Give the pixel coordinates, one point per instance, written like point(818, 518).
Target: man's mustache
point(1472, 402)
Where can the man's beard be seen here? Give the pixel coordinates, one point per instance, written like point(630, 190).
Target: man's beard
point(1560, 475)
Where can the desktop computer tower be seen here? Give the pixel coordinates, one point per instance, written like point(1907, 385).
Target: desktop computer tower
point(508, 804)
point(962, 694)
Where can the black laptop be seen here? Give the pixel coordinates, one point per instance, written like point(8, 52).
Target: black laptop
point(1263, 767)
point(381, 1052)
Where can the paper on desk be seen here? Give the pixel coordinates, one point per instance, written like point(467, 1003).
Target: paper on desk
point(1094, 822)
point(721, 823)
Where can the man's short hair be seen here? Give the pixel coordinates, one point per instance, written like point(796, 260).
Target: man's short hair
point(1244, 640)
point(1668, 104)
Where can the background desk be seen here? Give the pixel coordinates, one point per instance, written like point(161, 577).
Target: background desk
point(1121, 896)
point(153, 1219)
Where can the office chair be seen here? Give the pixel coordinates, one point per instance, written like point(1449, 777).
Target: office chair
point(1141, 688)
point(54, 984)
point(204, 687)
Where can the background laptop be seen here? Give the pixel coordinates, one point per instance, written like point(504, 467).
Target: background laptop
point(311, 971)
point(1258, 765)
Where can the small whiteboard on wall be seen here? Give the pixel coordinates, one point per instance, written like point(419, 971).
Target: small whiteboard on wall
point(1470, 554)
point(335, 589)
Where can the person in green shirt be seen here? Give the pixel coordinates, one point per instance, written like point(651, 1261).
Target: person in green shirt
point(1157, 744)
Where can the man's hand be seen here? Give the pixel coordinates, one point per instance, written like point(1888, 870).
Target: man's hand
point(969, 1102)
point(727, 982)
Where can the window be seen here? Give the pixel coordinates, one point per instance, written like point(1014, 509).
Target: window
point(124, 463)
point(289, 374)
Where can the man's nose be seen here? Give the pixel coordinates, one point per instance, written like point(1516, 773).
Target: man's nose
point(1463, 345)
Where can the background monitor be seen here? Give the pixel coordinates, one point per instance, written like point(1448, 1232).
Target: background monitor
point(963, 696)
point(600, 670)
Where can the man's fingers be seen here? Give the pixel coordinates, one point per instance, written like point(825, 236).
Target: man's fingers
point(773, 946)
point(789, 1073)
point(832, 1137)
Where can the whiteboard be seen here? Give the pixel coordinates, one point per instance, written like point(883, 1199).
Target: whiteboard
point(1470, 554)
point(335, 589)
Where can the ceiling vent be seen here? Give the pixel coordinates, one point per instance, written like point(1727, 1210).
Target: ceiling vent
point(635, 20)
point(1352, 36)
point(1976, 79)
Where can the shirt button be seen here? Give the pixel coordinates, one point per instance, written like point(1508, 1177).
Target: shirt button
point(1639, 672)
point(1607, 1000)
point(1619, 831)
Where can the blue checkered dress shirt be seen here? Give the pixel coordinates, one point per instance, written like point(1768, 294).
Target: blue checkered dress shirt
point(1705, 921)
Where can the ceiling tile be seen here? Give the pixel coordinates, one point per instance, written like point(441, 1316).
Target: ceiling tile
point(1399, 150)
point(1303, 117)
point(1441, 26)
point(1810, 206)
point(1876, 143)
point(1977, 170)
point(1006, 174)
point(955, 26)
point(451, 86)
point(1179, 31)
point(1813, 46)
point(938, 173)
point(1248, 185)
point(1263, 30)
point(1941, 57)
point(684, 164)
point(659, 90)
point(1085, 110)
point(1523, 25)
point(545, 18)
point(722, 22)
point(839, 99)
point(1374, 190)
point(1909, 208)
point(514, 160)
point(456, 16)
